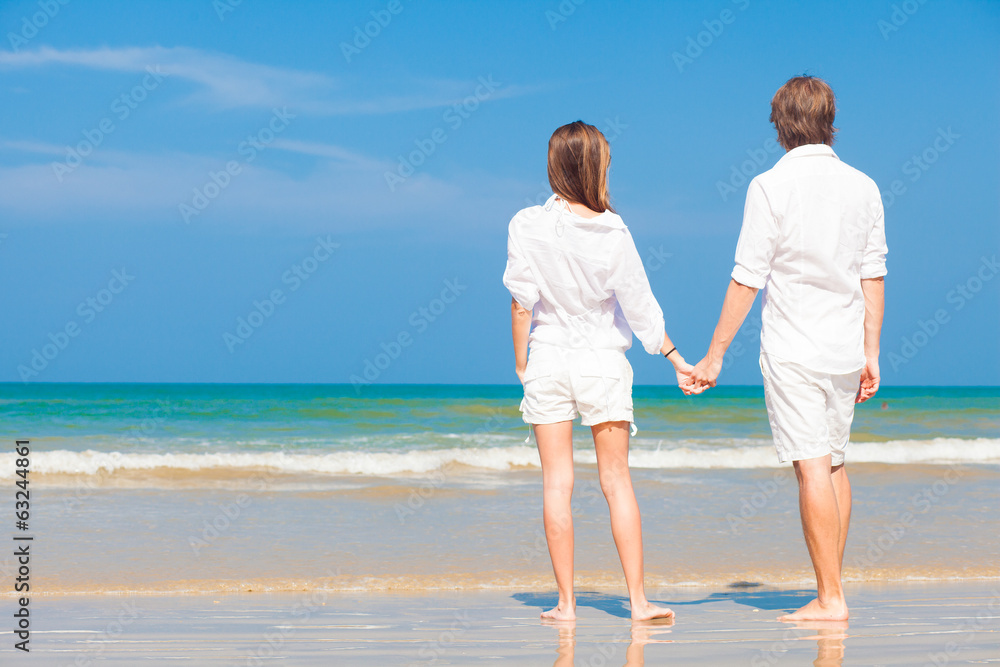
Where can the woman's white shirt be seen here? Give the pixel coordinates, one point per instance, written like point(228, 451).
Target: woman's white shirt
point(582, 278)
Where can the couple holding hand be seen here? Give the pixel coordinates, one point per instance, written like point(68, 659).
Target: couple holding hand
point(813, 239)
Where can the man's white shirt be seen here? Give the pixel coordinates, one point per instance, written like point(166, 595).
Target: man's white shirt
point(813, 228)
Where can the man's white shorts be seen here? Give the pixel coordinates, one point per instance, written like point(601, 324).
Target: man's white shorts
point(560, 384)
point(810, 412)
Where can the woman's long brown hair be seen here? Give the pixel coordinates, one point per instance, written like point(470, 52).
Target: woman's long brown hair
point(579, 157)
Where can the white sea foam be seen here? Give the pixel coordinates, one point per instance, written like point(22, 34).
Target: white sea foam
point(645, 454)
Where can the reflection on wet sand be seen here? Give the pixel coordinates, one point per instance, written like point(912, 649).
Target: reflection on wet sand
point(829, 637)
point(642, 633)
point(567, 641)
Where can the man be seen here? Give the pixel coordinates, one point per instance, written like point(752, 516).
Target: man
point(813, 239)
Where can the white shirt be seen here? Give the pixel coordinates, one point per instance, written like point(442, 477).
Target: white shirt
point(813, 228)
point(583, 279)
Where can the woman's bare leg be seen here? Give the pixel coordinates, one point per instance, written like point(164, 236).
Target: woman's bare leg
point(611, 442)
point(555, 448)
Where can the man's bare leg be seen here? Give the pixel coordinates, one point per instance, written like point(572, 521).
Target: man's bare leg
point(821, 525)
point(555, 448)
point(842, 487)
point(611, 443)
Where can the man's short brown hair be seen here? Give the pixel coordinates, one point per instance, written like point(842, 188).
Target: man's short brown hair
point(802, 111)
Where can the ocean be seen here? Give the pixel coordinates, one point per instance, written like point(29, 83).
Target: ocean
point(152, 488)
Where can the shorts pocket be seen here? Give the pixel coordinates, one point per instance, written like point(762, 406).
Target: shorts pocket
point(536, 372)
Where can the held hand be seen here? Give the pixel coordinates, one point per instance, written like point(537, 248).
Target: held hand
point(683, 370)
point(520, 373)
point(869, 381)
point(705, 374)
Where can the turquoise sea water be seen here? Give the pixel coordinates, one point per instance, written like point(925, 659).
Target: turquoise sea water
point(428, 426)
point(226, 414)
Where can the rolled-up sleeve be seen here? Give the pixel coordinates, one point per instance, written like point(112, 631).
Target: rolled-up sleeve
point(873, 262)
point(758, 240)
point(517, 277)
point(635, 297)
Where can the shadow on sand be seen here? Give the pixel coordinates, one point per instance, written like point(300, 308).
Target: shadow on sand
point(745, 593)
point(616, 605)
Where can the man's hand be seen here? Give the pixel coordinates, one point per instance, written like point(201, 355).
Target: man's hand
point(739, 300)
point(705, 374)
point(869, 380)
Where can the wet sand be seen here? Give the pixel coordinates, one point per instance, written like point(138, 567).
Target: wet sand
point(470, 530)
point(892, 624)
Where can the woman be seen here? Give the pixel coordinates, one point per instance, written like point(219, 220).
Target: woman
point(574, 273)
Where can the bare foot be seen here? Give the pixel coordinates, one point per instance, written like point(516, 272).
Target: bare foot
point(817, 611)
point(649, 611)
point(564, 612)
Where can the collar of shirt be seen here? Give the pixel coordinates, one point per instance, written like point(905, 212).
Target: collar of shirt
point(808, 150)
point(606, 219)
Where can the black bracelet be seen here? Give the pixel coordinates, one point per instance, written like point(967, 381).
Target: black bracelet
point(672, 350)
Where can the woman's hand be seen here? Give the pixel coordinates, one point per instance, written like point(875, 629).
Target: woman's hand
point(520, 328)
point(683, 370)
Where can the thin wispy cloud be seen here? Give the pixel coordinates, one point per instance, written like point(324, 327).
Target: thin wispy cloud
point(226, 82)
point(35, 147)
point(342, 190)
point(329, 151)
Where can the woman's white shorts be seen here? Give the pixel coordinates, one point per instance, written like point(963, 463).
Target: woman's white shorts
point(560, 384)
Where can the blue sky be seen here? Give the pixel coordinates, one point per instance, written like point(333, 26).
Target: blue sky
point(168, 169)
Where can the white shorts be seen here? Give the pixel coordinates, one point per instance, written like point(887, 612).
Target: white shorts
point(810, 412)
point(560, 384)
